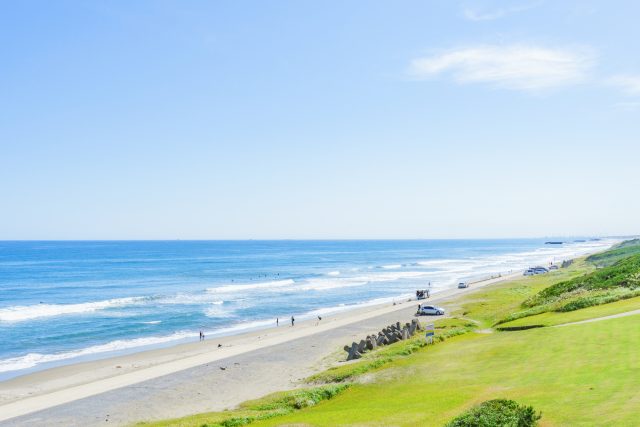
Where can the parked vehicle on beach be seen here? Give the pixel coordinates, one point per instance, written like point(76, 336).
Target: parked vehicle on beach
point(540, 270)
point(422, 294)
point(463, 285)
point(431, 310)
point(535, 270)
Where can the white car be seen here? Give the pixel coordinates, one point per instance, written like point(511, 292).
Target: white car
point(463, 285)
point(431, 310)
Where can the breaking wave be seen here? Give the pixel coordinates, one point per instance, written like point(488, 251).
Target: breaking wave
point(19, 313)
point(251, 286)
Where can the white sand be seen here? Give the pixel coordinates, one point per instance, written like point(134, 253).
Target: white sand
point(270, 361)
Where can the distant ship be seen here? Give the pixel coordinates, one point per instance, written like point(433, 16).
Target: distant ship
point(553, 243)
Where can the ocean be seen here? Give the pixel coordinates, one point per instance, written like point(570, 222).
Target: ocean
point(67, 301)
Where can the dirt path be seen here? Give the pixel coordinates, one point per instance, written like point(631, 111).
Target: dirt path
point(597, 319)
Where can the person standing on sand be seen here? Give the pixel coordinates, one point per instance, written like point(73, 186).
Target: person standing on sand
point(292, 320)
point(200, 335)
point(277, 322)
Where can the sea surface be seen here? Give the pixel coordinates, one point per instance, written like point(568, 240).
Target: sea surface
point(62, 302)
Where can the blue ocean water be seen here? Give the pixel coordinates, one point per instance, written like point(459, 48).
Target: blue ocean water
point(64, 301)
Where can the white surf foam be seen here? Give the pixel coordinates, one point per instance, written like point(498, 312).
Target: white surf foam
point(21, 313)
point(33, 359)
point(241, 287)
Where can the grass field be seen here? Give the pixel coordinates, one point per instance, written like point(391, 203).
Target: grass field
point(579, 375)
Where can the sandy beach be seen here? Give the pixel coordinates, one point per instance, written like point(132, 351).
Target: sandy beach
point(216, 374)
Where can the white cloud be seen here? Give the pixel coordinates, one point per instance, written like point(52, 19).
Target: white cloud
point(628, 83)
point(520, 67)
point(476, 15)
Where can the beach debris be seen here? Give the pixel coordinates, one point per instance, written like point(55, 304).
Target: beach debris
point(223, 368)
point(389, 335)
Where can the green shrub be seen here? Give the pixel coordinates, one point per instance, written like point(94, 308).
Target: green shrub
point(236, 422)
point(498, 412)
point(302, 398)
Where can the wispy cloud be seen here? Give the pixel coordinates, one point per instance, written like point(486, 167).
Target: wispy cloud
point(519, 67)
point(628, 83)
point(490, 15)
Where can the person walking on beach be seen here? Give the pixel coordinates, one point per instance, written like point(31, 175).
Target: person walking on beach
point(292, 320)
point(277, 322)
point(201, 335)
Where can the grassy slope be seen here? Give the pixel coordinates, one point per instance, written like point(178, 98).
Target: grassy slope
point(601, 286)
point(597, 375)
point(551, 318)
point(615, 254)
point(488, 306)
point(623, 275)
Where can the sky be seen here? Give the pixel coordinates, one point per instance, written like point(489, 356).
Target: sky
point(319, 120)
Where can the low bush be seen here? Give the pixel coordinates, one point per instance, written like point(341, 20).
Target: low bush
point(302, 398)
point(282, 404)
point(497, 412)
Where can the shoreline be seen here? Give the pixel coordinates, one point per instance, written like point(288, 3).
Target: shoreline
point(45, 389)
point(40, 358)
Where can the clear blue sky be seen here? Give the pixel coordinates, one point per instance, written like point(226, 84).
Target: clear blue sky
point(300, 119)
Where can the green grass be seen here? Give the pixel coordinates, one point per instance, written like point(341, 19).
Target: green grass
point(554, 318)
point(580, 375)
point(615, 254)
point(268, 407)
point(445, 328)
